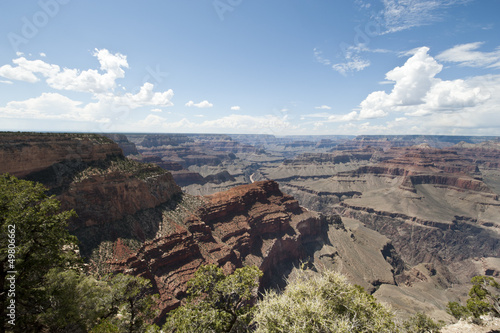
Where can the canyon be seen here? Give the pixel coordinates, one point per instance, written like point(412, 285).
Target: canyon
point(409, 218)
point(434, 199)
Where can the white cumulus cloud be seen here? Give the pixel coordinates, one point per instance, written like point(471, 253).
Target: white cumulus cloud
point(201, 105)
point(417, 91)
point(106, 105)
point(235, 108)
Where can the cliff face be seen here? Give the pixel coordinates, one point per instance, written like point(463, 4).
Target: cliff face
point(102, 198)
point(89, 174)
point(128, 147)
point(25, 153)
point(252, 224)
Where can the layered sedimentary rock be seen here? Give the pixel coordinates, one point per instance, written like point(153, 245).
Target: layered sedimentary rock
point(437, 207)
point(26, 153)
point(253, 224)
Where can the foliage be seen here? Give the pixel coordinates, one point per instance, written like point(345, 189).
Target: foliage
point(75, 302)
point(120, 165)
point(483, 299)
point(322, 303)
point(420, 323)
point(458, 311)
point(217, 303)
point(40, 233)
point(131, 301)
point(51, 291)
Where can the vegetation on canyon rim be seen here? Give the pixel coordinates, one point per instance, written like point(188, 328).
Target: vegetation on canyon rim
point(484, 299)
point(54, 293)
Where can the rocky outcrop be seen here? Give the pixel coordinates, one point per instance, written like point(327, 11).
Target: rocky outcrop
point(186, 177)
point(102, 198)
point(334, 157)
point(26, 153)
point(253, 224)
point(127, 147)
point(425, 241)
point(89, 174)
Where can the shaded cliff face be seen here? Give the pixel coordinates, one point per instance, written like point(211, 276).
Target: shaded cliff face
point(127, 147)
point(89, 174)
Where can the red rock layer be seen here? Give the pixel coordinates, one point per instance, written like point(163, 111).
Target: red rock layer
point(253, 224)
point(424, 165)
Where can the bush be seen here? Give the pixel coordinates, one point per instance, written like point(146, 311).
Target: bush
point(322, 303)
point(484, 299)
point(217, 303)
point(420, 323)
point(458, 311)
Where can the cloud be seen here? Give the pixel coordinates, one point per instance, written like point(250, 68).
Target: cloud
point(467, 55)
point(156, 110)
point(318, 55)
point(26, 70)
point(91, 80)
point(6, 82)
point(234, 123)
point(353, 63)
point(70, 79)
point(399, 15)
point(235, 108)
point(106, 104)
point(323, 107)
point(344, 118)
point(152, 121)
point(201, 105)
point(46, 106)
point(111, 104)
point(418, 92)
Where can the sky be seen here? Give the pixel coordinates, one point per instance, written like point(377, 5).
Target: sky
point(279, 67)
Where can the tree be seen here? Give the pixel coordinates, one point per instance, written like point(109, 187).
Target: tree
point(323, 302)
point(216, 302)
point(458, 311)
point(34, 239)
point(483, 299)
point(75, 302)
point(131, 302)
point(49, 288)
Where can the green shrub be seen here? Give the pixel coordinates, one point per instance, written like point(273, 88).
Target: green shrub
point(322, 303)
point(217, 303)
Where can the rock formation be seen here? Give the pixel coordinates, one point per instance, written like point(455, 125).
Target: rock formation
point(26, 153)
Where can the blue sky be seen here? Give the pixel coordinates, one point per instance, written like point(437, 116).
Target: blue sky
point(251, 66)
